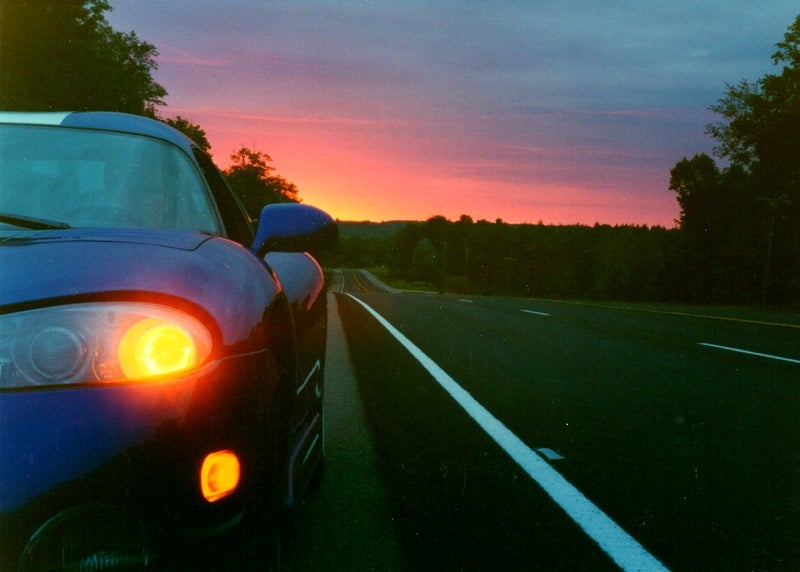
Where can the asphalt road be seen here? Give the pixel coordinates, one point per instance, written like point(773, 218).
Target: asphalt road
point(643, 436)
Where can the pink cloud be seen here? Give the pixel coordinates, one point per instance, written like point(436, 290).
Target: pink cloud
point(174, 55)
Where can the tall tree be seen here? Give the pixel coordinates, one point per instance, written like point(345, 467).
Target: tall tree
point(696, 181)
point(740, 226)
point(697, 184)
point(191, 130)
point(252, 178)
point(761, 120)
point(759, 133)
point(64, 55)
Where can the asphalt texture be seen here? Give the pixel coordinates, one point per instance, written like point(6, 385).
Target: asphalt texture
point(656, 415)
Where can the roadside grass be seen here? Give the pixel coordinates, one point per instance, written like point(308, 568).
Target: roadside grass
point(382, 274)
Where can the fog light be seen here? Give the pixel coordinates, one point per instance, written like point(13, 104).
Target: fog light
point(219, 475)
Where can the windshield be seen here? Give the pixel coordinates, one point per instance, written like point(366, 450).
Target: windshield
point(86, 178)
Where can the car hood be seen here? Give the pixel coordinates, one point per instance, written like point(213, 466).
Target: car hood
point(45, 265)
point(211, 272)
point(182, 240)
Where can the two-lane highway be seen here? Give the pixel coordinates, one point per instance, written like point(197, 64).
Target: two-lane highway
point(359, 281)
point(480, 433)
point(681, 428)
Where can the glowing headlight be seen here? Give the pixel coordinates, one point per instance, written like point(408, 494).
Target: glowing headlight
point(154, 347)
point(100, 342)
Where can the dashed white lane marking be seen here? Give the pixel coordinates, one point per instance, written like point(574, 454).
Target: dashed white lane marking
point(748, 352)
point(535, 312)
point(550, 454)
point(621, 547)
point(465, 300)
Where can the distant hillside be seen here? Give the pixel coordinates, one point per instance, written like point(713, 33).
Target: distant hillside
point(367, 230)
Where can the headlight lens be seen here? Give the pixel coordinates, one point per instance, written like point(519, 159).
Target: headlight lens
point(101, 342)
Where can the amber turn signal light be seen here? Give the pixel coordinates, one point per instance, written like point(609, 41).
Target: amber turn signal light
point(219, 475)
point(152, 348)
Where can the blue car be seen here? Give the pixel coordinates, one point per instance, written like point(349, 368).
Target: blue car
point(161, 354)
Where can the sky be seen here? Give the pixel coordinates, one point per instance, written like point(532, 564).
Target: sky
point(553, 111)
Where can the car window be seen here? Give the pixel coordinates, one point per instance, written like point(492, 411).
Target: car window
point(89, 178)
point(238, 225)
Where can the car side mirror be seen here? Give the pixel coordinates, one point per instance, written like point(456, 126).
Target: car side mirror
point(294, 227)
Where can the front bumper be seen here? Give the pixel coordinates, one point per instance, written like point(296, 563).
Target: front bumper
point(107, 477)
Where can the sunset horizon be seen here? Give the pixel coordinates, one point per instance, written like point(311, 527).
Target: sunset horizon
point(564, 113)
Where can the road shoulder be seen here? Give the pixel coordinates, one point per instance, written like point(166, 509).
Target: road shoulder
point(346, 523)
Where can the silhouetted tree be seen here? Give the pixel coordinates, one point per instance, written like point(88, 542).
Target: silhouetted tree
point(425, 264)
point(401, 250)
point(744, 221)
point(63, 55)
point(252, 177)
point(761, 119)
point(191, 130)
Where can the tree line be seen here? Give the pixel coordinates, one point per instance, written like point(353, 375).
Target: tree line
point(571, 261)
point(737, 240)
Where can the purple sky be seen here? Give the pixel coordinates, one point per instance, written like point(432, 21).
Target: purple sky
point(555, 111)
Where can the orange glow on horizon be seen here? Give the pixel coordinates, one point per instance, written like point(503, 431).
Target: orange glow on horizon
point(358, 171)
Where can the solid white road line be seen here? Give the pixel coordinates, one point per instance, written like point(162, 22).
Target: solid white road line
point(748, 352)
point(622, 548)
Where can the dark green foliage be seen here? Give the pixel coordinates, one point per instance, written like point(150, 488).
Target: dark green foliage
point(63, 55)
point(723, 233)
point(253, 179)
point(191, 130)
point(634, 263)
point(740, 226)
